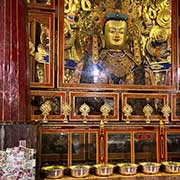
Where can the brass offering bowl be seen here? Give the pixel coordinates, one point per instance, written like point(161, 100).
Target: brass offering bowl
point(104, 169)
point(127, 168)
point(79, 171)
point(150, 167)
point(171, 167)
point(53, 172)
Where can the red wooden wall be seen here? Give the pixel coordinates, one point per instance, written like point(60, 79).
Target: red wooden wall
point(14, 87)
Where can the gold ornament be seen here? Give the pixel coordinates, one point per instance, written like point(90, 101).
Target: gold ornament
point(66, 109)
point(45, 109)
point(147, 110)
point(166, 110)
point(84, 109)
point(105, 109)
point(127, 110)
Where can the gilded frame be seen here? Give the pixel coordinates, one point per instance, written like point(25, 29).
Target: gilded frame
point(169, 85)
point(147, 99)
point(57, 98)
point(92, 99)
point(41, 30)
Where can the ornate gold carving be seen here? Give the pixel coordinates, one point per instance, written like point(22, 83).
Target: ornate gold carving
point(84, 109)
point(147, 110)
point(142, 33)
point(95, 53)
point(127, 110)
point(66, 109)
point(166, 110)
point(105, 109)
point(45, 109)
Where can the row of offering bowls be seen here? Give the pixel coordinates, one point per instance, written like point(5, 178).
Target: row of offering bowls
point(79, 171)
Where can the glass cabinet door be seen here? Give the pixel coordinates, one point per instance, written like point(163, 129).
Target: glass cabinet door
point(173, 146)
point(145, 146)
point(84, 147)
point(118, 147)
point(54, 148)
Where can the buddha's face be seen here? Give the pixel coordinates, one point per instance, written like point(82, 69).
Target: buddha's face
point(116, 34)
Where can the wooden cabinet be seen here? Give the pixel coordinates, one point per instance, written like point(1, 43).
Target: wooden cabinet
point(68, 146)
point(76, 69)
point(71, 145)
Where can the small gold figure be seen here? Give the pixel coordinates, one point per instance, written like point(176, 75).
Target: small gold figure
point(166, 110)
point(46, 109)
point(66, 109)
point(127, 110)
point(105, 109)
point(84, 109)
point(147, 110)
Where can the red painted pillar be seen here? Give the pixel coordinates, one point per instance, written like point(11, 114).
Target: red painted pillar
point(14, 83)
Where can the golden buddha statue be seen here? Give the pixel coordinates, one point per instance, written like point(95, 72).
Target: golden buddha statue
point(119, 62)
point(116, 62)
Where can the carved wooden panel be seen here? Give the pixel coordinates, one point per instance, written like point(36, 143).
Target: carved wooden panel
point(41, 29)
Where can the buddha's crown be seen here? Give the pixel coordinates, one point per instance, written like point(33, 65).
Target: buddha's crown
point(116, 16)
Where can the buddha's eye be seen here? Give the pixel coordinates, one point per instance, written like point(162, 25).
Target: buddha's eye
point(122, 32)
point(112, 30)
